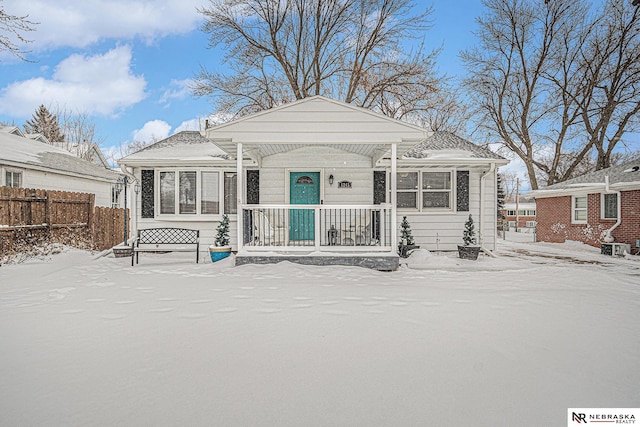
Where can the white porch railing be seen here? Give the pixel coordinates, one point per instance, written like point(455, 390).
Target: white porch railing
point(331, 228)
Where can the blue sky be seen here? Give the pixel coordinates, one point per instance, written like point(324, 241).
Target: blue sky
point(128, 62)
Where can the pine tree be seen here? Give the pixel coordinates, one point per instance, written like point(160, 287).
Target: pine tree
point(46, 124)
point(407, 238)
point(500, 196)
point(222, 238)
point(469, 236)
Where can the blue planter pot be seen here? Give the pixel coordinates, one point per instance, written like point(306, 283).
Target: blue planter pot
point(218, 253)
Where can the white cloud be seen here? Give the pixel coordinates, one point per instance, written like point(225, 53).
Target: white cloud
point(178, 89)
point(76, 23)
point(152, 131)
point(100, 84)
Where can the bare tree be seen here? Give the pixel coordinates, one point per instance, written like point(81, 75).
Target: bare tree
point(80, 133)
point(12, 30)
point(352, 50)
point(556, 81)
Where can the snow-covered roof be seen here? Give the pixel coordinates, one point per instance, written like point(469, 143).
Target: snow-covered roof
point(185, 146)
point(24, 152)
point(624, 176)
point(446, 144)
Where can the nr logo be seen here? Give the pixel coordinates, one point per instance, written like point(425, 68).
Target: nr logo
point(579, 418)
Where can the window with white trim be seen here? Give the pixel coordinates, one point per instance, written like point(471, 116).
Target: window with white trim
point(425, 190)
point(189, 192)
point(436, 190)
point(609, 202)
point(13, 179)
point(511, 213)
point(407, 186)
point(115, 197)
point(579, 209)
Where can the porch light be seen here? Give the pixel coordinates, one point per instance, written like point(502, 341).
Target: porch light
point(331, 179)
point(136, 187)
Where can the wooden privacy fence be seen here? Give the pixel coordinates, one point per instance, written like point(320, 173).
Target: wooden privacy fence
point(29, 217)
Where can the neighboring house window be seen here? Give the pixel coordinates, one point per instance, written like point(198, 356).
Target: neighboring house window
point(511, 213)
point(609, 203)
point(526, 212)
point(436, 190)
point(531, 224)
point(115, 197)
point(13, 179)
point(428, 191)
point(512, 223)
point(579, 209)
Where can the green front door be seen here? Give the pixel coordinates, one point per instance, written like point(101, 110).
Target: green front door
point(304, 189)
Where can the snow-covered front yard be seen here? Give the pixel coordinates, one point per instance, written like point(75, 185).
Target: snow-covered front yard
point(509, 341)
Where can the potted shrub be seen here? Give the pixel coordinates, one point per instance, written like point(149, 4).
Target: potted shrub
point(406, 243)
point(221, 248)
point(470, 249)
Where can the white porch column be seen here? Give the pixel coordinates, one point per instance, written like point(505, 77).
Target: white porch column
point(239, 193)
point(394, 197)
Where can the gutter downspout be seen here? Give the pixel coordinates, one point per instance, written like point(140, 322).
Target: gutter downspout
point(608, 237)
point(484, 176)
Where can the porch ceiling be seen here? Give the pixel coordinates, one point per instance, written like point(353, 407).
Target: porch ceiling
point(257, 152)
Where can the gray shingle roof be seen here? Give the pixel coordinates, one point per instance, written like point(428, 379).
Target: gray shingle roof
point(186, 137)
point(25, 151)
point(616, 175)
point(447, 141)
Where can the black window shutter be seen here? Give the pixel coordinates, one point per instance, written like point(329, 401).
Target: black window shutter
point(253, 198)
point(253, 187)
point(147, 193)
point(379, 187)
point(379, 196)
point(462, 191)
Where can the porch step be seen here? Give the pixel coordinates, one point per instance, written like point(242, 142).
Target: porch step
point(376, 262)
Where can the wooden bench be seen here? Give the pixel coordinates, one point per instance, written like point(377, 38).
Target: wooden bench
point(166, 240)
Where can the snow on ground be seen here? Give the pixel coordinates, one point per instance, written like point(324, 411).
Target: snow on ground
point(514, 340)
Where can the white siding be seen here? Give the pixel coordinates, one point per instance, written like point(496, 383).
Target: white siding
point(54, 181)
point(443, 231)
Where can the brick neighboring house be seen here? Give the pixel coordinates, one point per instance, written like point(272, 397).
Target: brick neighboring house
point(526, 214)
point(589, 207)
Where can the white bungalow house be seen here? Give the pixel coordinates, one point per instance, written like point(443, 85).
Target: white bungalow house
point(29, 161)
point(318, 181)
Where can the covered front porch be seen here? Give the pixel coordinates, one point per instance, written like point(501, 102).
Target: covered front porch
point(358, 235)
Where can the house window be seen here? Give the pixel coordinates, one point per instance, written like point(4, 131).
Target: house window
point(210, 198)
point(531, 224)
point(511, 213)
point(13, 179)
point(230, 190)
point(426, 190)
point(579, 209)
point(436, 190)
point(189, 192)
point(407, 185)
point(609, 203)
point(167, 193)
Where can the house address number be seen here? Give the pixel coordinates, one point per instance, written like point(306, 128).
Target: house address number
point(344, 184)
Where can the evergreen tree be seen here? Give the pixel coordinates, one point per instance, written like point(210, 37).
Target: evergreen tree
point(46, 124)
point(469, 236)
point(407, 238)
point(500, 196)
point(222, 238)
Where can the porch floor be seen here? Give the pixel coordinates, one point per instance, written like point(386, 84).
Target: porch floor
point(376, 261)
